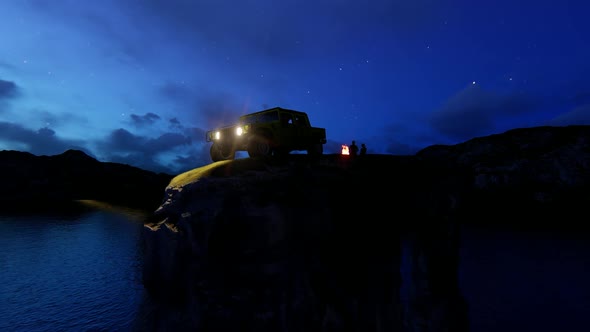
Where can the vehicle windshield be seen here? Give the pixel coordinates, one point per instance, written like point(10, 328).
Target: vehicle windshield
point(262, 117)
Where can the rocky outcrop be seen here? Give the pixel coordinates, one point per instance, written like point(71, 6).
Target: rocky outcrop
point(30, 182)
point(527, 176)
point(255, 245)
point(340, 245)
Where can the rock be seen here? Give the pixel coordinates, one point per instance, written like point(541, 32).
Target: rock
point(295, 245)
point(288, 247)
point(534, 175)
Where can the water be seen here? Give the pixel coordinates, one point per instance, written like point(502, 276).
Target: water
point(526, 281)
point(82, 272)
point(77, 272)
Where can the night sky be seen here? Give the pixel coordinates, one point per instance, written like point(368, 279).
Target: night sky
point(140, 81)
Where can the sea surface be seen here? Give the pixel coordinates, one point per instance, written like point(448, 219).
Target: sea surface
point(526, 281)
point(78, 271)
point(82, 272)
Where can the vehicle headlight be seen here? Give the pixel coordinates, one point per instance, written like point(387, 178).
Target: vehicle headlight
point(239, 131)
point(217, 135)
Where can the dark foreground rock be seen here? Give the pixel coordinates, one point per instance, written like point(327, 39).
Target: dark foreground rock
point(43, 182)
point(308, 245)
point(252, 245)
point(529, 177)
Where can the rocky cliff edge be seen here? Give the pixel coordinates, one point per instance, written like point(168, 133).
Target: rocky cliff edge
point(304, 245)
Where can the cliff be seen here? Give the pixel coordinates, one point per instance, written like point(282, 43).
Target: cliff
point(259, 245)
point(38, 182)
point(529, 177)
point(301, 245)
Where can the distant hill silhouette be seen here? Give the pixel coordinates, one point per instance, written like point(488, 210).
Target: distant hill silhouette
point(32, 182)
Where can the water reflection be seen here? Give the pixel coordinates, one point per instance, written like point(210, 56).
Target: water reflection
point(396, 282)
point(484, 280)
point(140, 216)
point(72, 270)
point(81, 270)
point(526, 280)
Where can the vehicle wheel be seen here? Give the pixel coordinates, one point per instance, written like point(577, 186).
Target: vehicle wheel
point(221, 152)
point(259, 146)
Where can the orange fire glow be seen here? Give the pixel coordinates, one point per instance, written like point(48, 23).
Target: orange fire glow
point(345, 150)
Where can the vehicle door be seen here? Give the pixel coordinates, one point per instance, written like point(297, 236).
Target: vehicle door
point(302, 130)
point(289, 131)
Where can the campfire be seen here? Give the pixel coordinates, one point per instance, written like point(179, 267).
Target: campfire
point(345, 150)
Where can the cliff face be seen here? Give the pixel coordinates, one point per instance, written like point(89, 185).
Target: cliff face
point(299, 245)
point(538, 175)
point(254, 245)
point(30, 181)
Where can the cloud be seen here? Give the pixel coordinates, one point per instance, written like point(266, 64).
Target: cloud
point(174, 123)
point(121, 140)
point(43, 141)
point(578, 116)
point(175, 92)
point(219, 109)
point(191, 158)
point(213, 108)
point(6, 65)
point(266, 30)
point(475, 112)
point(115, 34)
point(57, 119)
point(167, 142)
point(195, 157)
point(147, 119)
point(195, 134)
point(8, 90)
point(142, 151)
point(273, 30)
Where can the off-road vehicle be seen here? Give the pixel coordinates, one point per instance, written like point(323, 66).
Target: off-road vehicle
point(272, 132)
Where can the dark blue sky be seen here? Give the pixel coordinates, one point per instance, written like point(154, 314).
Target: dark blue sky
point(140, 81)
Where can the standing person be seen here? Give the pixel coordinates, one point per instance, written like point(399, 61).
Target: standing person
point(363, 149)
point(354, 149)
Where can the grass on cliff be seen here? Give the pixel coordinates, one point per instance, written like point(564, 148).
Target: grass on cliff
point(218, 169)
